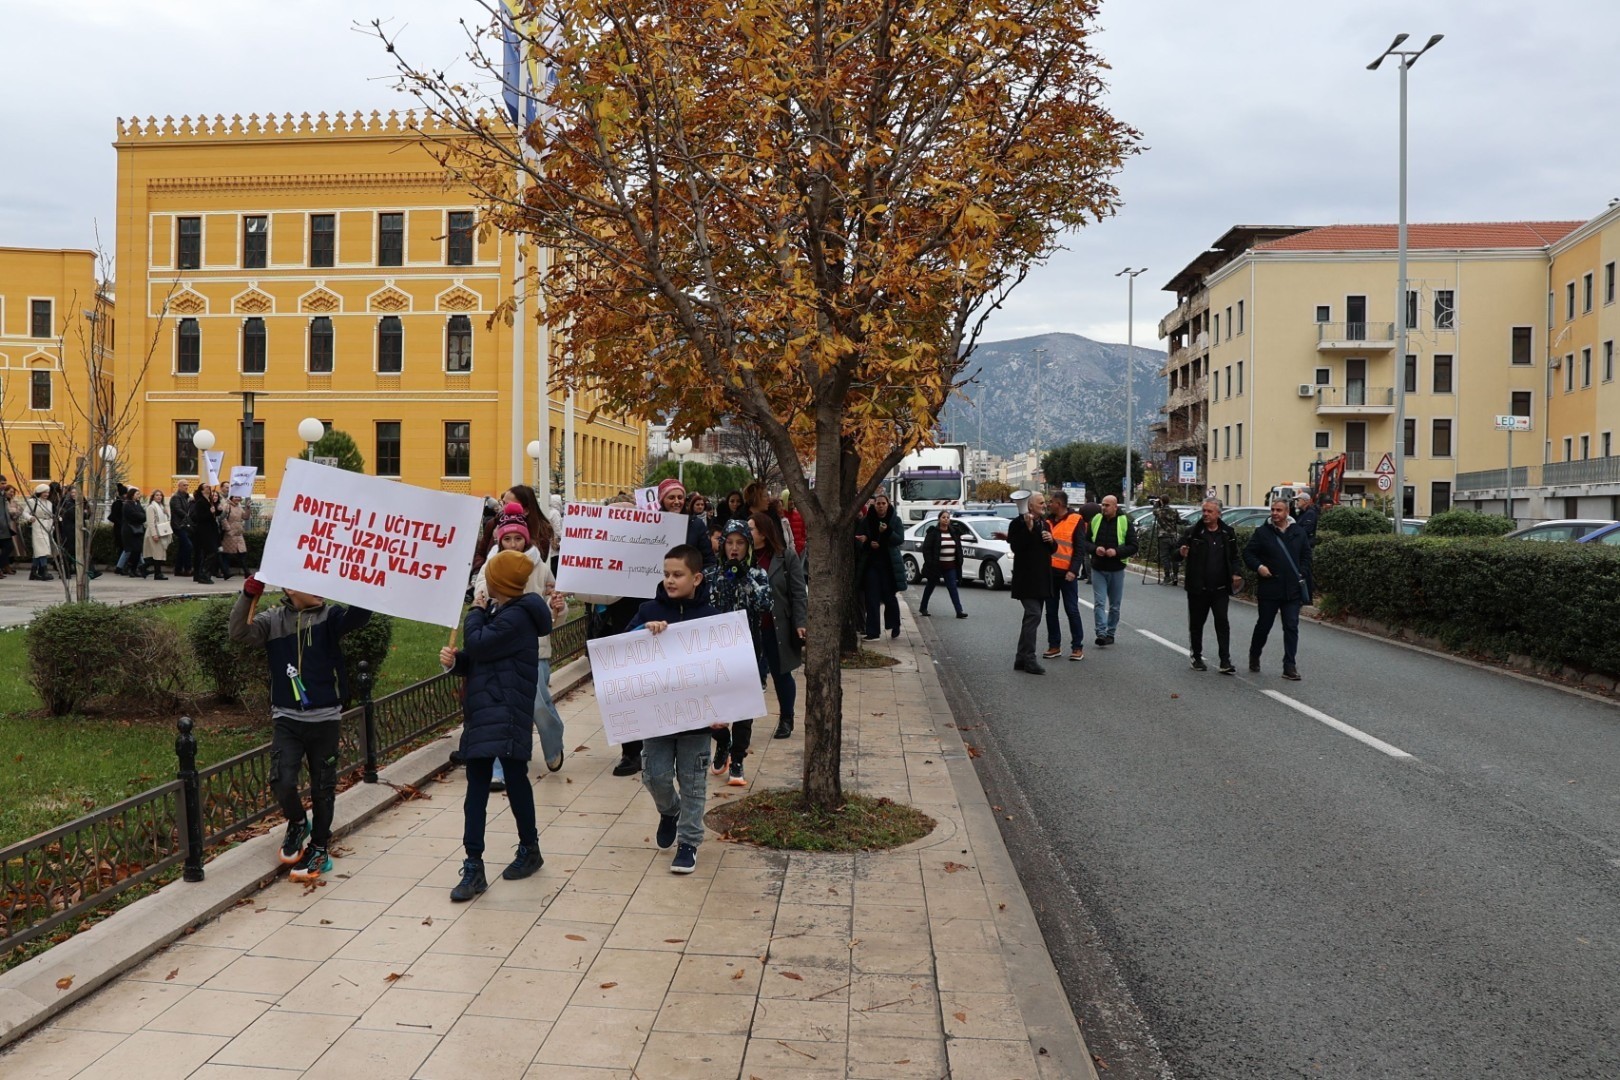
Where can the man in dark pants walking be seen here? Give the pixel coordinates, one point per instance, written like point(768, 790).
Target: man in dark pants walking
point(1213, 570)
point(1280, 552)
point(1306, 517)
point(1030, 537)
point(180, 516)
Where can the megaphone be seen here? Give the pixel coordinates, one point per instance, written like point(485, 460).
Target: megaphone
point(1021, 498)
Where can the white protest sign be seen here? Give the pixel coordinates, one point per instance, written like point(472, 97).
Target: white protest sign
point(647, 498)
point(690, 676)
point(214, 460)
point(616, 550)
point(242, 477)
point(378, 544)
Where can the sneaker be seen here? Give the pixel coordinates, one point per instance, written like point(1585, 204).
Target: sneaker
point(629, 765)
point(1031, 667)
point(784, 729)
point(1101, 640)
point(720, 759)
point(1052, 654)
point(528, 860)
point(1291, 674)
point(472, 881)
point(553, 764)
point(685, 860)
point(1077, 653)
point(737, 779)
point(1018, 665)
point(1227, 668)
point(316, 861)
point(1109, 640)
point(961, 614)
point(1254, 664)
point(292, 846)
point(666, 831)
point(497, 784)
point(1198, 664)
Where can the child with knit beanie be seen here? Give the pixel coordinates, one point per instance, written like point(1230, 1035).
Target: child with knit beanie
point(739, 585)
point(499, 658)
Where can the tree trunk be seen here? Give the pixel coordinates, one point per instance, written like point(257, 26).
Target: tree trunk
point(823, 672)
point(849, 636)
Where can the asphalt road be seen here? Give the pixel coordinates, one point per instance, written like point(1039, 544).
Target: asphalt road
point(1234, 888)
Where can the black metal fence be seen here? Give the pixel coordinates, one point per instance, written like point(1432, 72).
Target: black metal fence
point(59, 875)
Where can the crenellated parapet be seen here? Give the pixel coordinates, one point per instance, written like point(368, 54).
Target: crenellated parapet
point(270, 126)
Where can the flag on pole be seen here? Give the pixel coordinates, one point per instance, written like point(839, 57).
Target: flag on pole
point(517, 69)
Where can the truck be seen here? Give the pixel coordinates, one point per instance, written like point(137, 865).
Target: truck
point(1326, 484)
point(928, 480)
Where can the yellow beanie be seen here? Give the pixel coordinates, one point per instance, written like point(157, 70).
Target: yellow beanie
point(507, 573)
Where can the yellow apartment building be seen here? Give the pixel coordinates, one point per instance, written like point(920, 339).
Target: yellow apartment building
point(1302, 363)
point(278, 268)
point(49, 348)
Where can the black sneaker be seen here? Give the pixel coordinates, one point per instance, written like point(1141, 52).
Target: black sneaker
point(292, 845)
point(316, 861)
point(685, 860)
point(737, 779)
point(784, 729)
point(666, 831)
point(1033, 668)
point(1109, 640)
point(629, 765)
point(1254, 664)
point(1198, 664)
point(718, 766)
point(527, 862)
point(961, 614)
point(1227, 668)
point(472, 881)
point(1291, 674)
point(1101, 640)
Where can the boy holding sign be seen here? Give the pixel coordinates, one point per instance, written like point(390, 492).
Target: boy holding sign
point(682, 757)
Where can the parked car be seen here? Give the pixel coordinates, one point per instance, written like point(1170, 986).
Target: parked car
point(1413, 526)
point(1561, 529)
point(984, 559)
point(1006, 511)
point(1609, 534)
point(1244, 517)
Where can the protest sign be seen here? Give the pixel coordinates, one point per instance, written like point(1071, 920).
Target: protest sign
point(242, 477)
point(690, 676)
point(213, 460)
point(647, 498)
point(378, 544)
point(616, 550)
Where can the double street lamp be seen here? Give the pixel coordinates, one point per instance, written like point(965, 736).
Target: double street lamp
point(1407, 58)
point(1129, 275)
point(680, 448)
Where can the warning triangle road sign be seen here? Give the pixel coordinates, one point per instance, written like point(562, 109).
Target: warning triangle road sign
point(1386, 466)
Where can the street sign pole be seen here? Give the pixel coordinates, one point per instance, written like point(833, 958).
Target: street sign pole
point(1510, 476)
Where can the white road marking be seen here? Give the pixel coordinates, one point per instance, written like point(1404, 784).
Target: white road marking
point(1088, 604)
point(1338, 725)
point(1166, 642)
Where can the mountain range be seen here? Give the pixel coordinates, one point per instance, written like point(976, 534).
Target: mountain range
point(1052, 389)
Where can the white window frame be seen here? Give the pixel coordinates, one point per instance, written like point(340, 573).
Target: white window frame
point(1323, 376)
point(202, 241)
point(241, 238)
point(309, 241)
point(376, 346)
point(176, 372)
point(1320, 308)
point(49, 405)
point(241, 348)
point(472, 348)
point(1586, 366)
point(1451, 310)
point(1322, 439)
point(1569, 448)
point(1452, 448)
point(1588, 292)
point(1569, 300)
point(309, 342)
point(1586, 446)
point(1606, 441)
point(28, 326)
point(1433, 366)
point(1241, 321)
point(1608, 360)
point(1608, 283)
point(1530, 362)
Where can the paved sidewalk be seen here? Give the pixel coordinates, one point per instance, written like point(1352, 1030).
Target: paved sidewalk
point(21, 599)
point(918, 963)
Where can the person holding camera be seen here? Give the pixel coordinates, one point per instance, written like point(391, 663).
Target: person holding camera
point(1280, 552)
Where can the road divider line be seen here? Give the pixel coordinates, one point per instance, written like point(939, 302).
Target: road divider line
point(1166, 642)
point(1338, 725)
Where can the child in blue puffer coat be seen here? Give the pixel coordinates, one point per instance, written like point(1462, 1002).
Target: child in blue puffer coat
point(499, 658)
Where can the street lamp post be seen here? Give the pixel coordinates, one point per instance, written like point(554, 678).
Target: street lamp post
point(310, 430)
point(680, 448)
point(1407, 58)
point(1130, 357)
point(203, 440)
point(535, 451)
point(109, 454)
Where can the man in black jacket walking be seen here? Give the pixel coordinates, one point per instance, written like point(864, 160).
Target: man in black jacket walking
point(180, 517)
point(1280, 552)
point(1030, 537)
point(1212, 570)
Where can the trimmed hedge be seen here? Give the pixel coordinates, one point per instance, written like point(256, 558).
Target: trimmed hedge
point(1353, 521)
point(1555, 603)
point(81, 652)
point(1467, 523)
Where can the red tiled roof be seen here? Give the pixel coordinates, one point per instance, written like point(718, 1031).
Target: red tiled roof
point(1441, 237)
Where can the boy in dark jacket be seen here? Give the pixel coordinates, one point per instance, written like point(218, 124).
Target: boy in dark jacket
point(302, 640)
point(500, 659)
point(683, 756)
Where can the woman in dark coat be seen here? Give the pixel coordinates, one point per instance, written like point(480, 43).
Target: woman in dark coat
point(781, 633)
point(878, 536)
point(942, 549)
point(134, 538)
point(204, 534)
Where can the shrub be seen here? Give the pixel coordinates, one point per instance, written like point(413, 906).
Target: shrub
point(154, 664)
point(369, 643)
point(1353, 521)
point(1467, 523)
point(1472, 594)
point(74, 653)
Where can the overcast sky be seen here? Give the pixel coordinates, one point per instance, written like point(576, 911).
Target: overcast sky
point(1252, 111)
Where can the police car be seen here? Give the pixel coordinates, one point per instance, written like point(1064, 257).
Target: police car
point(984, 558)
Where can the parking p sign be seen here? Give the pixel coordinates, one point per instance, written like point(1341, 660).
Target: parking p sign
point(1188, 472)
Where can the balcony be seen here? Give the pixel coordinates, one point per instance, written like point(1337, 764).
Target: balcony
point(1183, 396)
point(1572, 473)
point(1482, 480)
point(1189, 309)
point(1360, 336)
point(1355, 400)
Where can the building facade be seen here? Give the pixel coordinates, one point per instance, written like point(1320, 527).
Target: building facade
point(55, 330)
point(282, 268)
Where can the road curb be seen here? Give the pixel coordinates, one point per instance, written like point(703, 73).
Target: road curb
point(1054, 1035)
point(33, 992)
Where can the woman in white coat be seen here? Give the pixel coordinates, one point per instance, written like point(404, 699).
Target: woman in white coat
point(159, 531)
point(39, 512)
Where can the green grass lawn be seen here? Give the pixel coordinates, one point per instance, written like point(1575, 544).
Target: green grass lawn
point(58, 768)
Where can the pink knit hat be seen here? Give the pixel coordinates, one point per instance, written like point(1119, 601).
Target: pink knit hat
point(512, 520)
point(666, 486)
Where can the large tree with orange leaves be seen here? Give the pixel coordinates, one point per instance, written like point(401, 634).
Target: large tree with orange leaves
point(795, 212)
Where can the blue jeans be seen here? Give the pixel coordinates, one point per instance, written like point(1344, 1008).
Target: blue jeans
point(546, 720)
point(947, 577)
point(1269, 610)
point(1108, 594)
point(670, 759)
point(1068, 594)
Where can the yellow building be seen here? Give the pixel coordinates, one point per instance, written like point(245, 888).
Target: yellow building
point(1302, 363)
point(284, 268)
point(49, 347)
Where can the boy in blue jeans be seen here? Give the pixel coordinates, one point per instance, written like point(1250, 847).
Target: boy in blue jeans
point(683, 757)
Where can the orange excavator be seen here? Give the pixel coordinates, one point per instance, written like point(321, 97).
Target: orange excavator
point(1327, 480)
